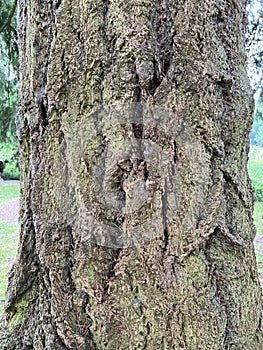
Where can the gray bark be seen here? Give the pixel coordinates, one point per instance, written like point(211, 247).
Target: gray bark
point(194, 285)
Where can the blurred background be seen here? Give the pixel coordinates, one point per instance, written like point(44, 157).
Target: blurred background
point(8, 89)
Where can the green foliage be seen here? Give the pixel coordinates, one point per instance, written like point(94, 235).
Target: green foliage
point(8, 155)
point(255, 169)
point(8, 30)
point(256, 137)
point(8, 102)
point(8, 68)
point(259, 107)
point(257, 129)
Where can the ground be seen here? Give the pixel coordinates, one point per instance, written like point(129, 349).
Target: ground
point(9, 206)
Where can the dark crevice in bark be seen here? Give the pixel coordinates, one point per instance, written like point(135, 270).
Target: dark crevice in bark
point(165, 222)
point(129, 276)
point(43, 45)
point(57, 4)
point(43, 115)
point(84, 328)
point(105, 12)
point(104, 39)
point(118, 178)
point(203, 217)
point(225, 83)
point(137, 125)
point(232, 183)
point(145, 170)
point(182, 333)
point(61, 136)
point(148, 330)
point(233, 237)
point(155, 82)
point(175, 152)
point(138, 90)
point(70, 257)
point(165, 37)
point(259, 328)
point(60, 345)
point(110, 272)
point(166, 63)
point(174, 261)
point(63, 63)
point(137, 130)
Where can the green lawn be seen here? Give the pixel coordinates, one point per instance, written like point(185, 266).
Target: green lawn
point(8, 239)
point(255, 169)
point(8, 247)
point(8, 192)
point(258, 217)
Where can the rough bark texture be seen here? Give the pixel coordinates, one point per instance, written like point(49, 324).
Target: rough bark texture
point(190, 290)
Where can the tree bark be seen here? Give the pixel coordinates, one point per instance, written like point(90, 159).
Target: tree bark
point(189, 281)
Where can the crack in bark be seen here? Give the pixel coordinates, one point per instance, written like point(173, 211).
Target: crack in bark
point(138, 89)
point(57, 4)
point(70, 257)
point(147, 281)
point(110, 273)
point(155, 82)
point(165, 41)
point(165, 222)
point(148, 331)
point(236, 186)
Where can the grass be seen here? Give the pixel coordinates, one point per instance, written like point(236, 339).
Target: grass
point(8, 239)
point(8, 248)
point(8, 192)
point(255, 169)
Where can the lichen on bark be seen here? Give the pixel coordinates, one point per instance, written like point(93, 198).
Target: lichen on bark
point(190, 287)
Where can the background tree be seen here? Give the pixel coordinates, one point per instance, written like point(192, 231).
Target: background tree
point(255, 43)
point(192, 286)
point(8, 70)
point(254, 47)
point(8, 89)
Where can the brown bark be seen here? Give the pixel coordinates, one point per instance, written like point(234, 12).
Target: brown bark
point(194, 285)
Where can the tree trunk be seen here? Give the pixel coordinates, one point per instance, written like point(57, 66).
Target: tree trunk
point(136, 206)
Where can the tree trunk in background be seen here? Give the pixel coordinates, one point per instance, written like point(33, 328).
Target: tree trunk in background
point(195, 284)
